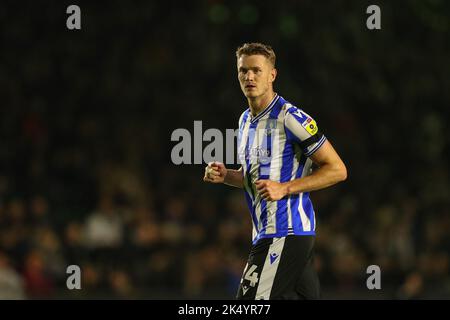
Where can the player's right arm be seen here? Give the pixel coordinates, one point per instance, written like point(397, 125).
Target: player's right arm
point(216, 172)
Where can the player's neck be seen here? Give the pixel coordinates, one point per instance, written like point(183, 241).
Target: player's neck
point(258, 104)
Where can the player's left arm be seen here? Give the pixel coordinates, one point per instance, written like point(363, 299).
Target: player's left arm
point(331, 170)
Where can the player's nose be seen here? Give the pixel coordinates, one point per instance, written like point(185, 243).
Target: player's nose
point(249, 76)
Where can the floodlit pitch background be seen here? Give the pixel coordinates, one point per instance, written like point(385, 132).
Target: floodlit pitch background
point(86, 117)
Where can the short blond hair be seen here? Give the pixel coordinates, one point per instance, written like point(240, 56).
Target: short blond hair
point(257, 48)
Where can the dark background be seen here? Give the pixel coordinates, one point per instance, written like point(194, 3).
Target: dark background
point(86, 118)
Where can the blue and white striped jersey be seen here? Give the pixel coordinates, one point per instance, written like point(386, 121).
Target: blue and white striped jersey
point(275, 145)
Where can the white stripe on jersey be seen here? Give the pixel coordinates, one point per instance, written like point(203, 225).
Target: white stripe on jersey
point(306, 223)
point(269, 269)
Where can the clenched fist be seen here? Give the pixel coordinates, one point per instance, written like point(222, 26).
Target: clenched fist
point(271, 190)
point(215, 172)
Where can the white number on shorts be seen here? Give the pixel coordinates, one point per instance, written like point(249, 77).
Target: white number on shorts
point(252, 276)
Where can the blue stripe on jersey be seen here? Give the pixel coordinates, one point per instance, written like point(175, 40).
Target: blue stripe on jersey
point(244, 118)
point(287, 162)
point(282, 214)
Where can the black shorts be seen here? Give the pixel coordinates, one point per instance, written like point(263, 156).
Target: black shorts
point(280, 268)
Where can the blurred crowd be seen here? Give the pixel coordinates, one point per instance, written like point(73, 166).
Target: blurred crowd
point(86, 118)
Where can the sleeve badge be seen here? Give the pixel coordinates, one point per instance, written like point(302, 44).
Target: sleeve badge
point(310, 125)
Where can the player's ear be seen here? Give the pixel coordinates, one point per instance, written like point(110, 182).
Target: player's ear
point(273, 74)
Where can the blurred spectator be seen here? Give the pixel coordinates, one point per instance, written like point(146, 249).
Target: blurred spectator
point(74, 242)
point(121, 285)
point(39, 283)
point(104, 227)
point(39, 211)
point(49, 246)
point(412, 288)
point(11, 283)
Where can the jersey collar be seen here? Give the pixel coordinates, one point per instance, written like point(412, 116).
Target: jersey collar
point(266, 110)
